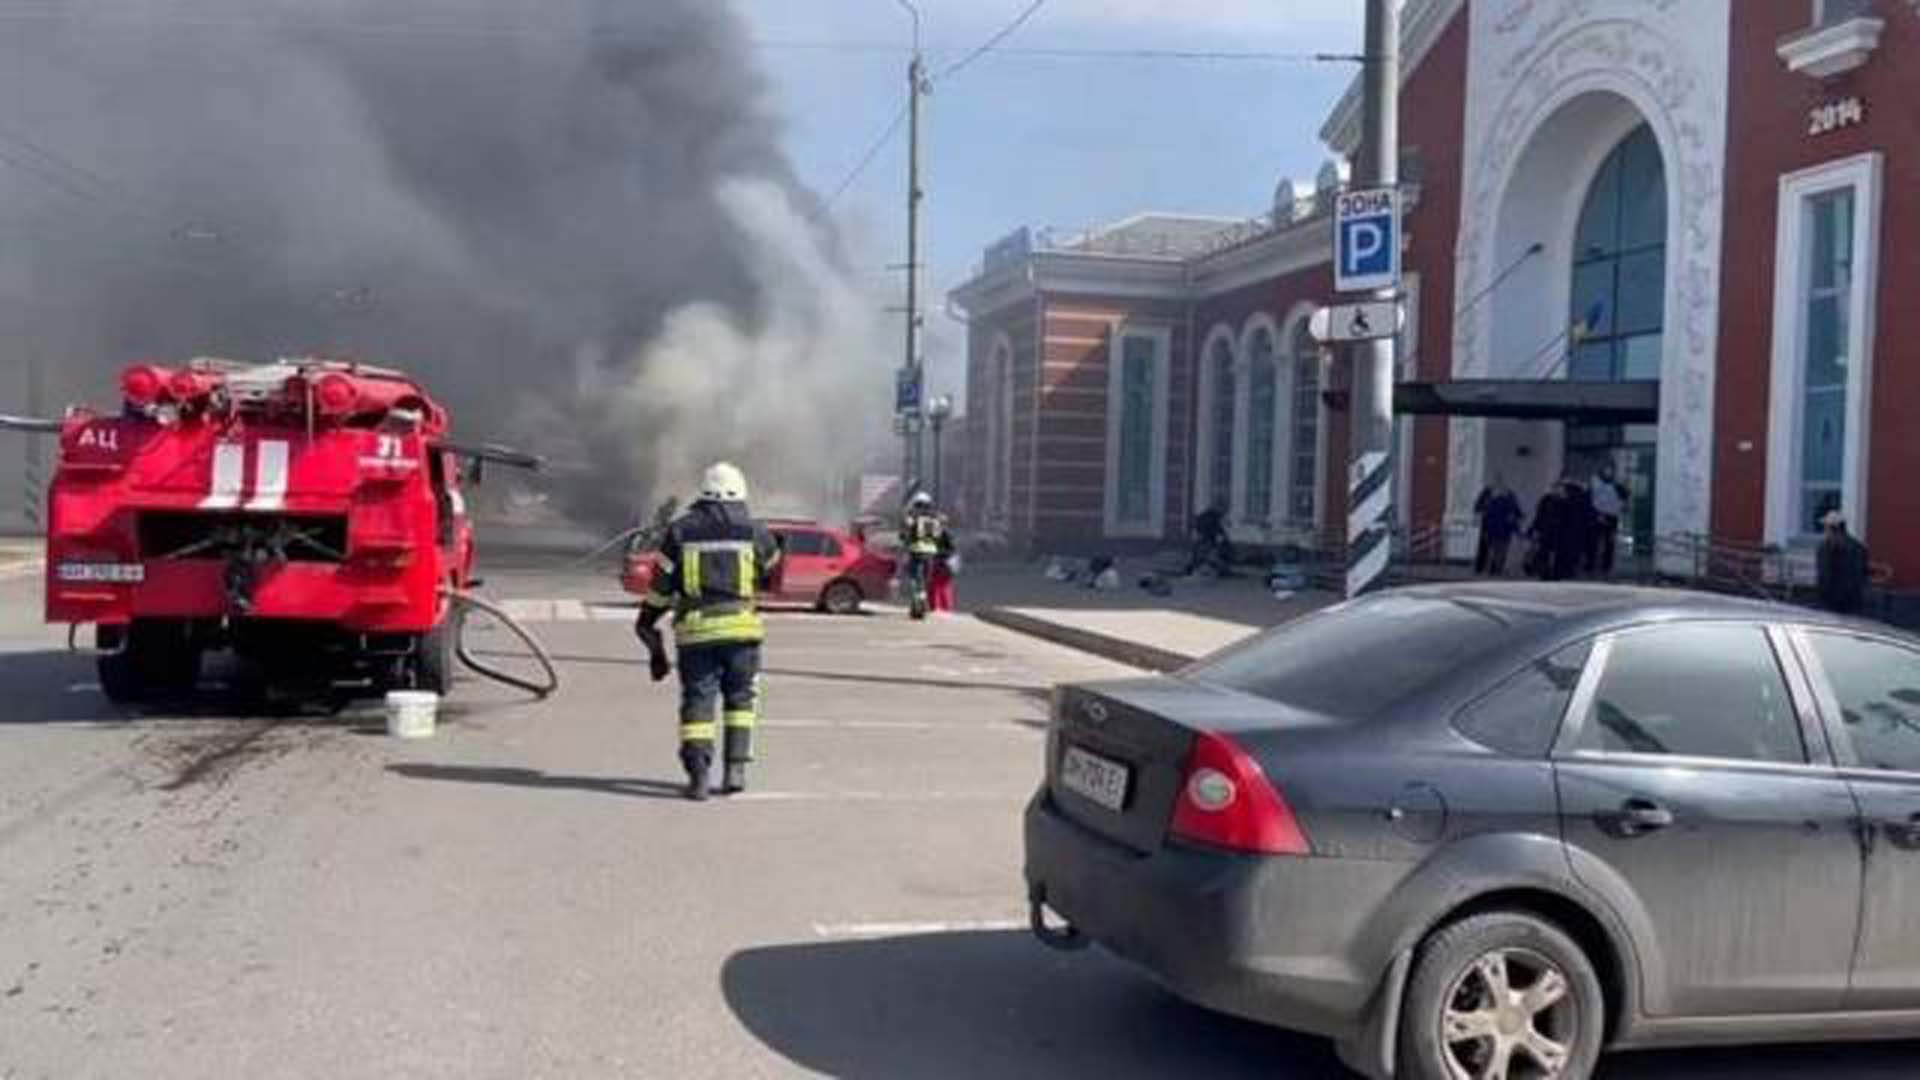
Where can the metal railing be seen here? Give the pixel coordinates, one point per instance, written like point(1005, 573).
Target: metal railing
point(1769, 571)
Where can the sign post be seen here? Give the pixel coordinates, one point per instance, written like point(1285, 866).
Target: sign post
point(1367, 259)
point(906, 390)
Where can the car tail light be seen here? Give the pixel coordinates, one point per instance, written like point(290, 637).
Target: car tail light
point(143, 385)
point(1227, 802)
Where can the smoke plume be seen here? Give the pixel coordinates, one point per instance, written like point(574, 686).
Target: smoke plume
point(573, 219)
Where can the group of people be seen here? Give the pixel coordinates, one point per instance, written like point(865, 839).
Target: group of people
point(1574, 530)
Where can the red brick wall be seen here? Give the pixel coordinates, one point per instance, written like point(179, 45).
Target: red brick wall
point(1768, 137)
point(1433, 105)
point(1065, 482)
point(1018, 321)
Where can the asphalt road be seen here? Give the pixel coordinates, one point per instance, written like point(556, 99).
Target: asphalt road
point(524, 895)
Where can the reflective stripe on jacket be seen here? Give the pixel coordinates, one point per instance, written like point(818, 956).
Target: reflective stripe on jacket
point(926, 535)
point(713, 563)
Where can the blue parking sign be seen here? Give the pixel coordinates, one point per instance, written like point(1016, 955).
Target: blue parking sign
point(906, 390)
point(1366, 240)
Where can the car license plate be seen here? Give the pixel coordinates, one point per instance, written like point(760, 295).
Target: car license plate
point(1095, 778)
point(118, 573)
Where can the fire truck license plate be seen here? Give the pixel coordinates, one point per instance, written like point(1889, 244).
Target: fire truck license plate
point(119, 573)
point(1091, 776)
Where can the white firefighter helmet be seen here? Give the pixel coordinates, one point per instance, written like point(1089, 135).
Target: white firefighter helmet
point(723, 482)
point(920, 501)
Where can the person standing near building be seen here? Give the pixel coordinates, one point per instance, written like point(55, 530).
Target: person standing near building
point(714, 560)
point(1500, 519)
point(1576, 529)
point(1844, 567)
point(1546, 532)
point(1212, 546)
point(1609, 505)
point(1500, 515)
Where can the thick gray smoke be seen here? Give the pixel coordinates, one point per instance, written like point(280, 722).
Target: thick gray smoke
point(572, 218)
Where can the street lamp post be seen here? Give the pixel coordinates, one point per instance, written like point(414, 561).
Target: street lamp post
point(916, 86)
point(939, 409)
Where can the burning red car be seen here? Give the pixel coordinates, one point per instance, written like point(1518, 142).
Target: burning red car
point(830, 569)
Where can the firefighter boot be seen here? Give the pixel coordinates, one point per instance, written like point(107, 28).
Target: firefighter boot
point(735, 781)
point(696, 760)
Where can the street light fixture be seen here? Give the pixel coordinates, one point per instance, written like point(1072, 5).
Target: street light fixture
point(939, 409)
point(915, 12)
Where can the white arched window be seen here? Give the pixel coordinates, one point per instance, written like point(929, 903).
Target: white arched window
point(1263, 418)
point(1219, 403)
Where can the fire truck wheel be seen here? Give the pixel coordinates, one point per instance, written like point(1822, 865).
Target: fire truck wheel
point(119, 678)
point(148, 662)
point(433, 662)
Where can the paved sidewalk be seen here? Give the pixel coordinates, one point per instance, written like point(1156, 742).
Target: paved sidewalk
point(1130, 625)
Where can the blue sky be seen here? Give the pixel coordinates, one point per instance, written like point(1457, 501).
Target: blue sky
point(1018, 140)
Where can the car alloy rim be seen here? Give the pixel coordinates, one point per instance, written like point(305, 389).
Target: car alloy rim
point(1511, 1015)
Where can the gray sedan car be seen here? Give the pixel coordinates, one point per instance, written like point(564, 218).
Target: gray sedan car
point(1483, 832)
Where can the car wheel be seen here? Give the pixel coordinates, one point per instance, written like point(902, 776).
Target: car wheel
point(841, 598)
point(1503, 996)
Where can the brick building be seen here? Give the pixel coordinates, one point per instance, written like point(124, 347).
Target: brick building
point(1680, 239)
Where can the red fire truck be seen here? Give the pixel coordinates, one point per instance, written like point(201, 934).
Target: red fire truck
point(305, 514)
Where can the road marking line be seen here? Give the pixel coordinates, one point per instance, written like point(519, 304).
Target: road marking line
point(23, 569)
point(878, 796)
point(895, 725)
point(909, 929)
point(84, 688)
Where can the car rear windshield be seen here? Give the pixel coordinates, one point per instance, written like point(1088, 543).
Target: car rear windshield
point(1359, 659)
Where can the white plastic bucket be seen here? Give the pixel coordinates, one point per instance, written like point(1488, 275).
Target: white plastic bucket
point(410, 713)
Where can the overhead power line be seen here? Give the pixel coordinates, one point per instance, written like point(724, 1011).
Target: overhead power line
point(88, 185)
point(403, 30)
point(1200, 55)
point(867, 159)
point(988, 45)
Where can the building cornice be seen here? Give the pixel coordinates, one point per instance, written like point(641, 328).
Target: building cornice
point(983, 294)
point(1825, 51)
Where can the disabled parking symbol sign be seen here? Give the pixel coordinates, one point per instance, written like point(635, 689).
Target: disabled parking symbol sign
point(1366, 240)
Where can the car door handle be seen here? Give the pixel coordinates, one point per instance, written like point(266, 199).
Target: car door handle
point(1638, 817)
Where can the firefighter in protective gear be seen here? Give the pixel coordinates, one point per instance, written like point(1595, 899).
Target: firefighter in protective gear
point(925, 535)
point(713, 562)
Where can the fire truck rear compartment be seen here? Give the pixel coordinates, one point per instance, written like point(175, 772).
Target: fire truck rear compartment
point(216, 535)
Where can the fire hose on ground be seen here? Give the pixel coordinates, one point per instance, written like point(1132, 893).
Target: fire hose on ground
point(466, 600)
